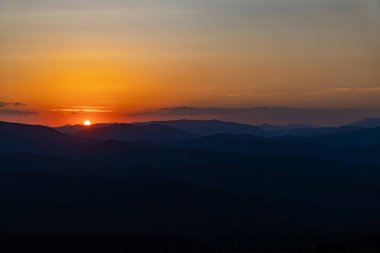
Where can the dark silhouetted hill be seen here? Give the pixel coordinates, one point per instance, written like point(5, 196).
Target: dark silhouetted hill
point(368, 123)
point(129, 132)
point(209, 127)
point(74, 129)
point(35, 139)
point(359, 138)
point(322, 147)
point(214, 127)
point(270, 127)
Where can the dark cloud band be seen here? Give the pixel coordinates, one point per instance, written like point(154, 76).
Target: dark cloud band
point(259, 115)
point(17, 112)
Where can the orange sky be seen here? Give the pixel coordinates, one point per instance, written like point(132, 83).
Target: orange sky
point(104, 60)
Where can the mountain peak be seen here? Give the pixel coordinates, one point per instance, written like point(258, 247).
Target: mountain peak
point(368, 123)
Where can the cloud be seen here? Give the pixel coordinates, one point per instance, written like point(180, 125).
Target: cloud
point(7, 108)
point(17, 112)
point(81, 109)
point(346, 90)
point(257, 95)
point(18, 104)
point(259, 115)
point(4, 104)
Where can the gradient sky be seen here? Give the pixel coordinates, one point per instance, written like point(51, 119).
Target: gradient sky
point(64, 61)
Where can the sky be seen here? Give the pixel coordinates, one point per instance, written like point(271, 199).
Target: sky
point(120, 60)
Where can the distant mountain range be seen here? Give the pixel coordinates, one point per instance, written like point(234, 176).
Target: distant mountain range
point(189, 177)
point(201, 135)
point(185, 129)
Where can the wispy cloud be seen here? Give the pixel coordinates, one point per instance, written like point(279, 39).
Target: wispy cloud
point(346, 90)
point(4, 104)
point(79, 109)
point(10, 108)
point(254, 94)
point(17, 112)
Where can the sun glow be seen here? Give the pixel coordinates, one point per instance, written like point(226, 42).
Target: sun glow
point(87, 123)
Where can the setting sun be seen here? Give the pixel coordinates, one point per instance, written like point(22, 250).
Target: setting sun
point(87, 123)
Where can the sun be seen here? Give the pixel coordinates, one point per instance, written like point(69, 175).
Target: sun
point(87, 123)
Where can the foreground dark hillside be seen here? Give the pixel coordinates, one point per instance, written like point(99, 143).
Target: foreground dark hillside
point(264, 200)
point(11, 243)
